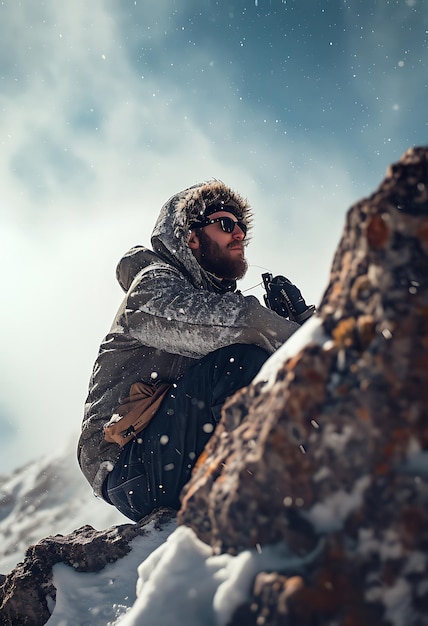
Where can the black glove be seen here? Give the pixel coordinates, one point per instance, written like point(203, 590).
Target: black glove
point(285, 299)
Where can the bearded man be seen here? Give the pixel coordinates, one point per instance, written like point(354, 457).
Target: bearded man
point(183, 341)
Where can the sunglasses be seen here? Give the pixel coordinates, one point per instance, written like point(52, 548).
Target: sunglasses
point(227, 224)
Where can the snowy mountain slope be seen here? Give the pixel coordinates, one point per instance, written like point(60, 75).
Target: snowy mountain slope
point(48, 496)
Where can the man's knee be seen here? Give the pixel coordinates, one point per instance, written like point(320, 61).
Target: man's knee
point(246, 356)
point(232, 368)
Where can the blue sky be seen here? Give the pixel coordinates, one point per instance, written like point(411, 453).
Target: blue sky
point(108, 108)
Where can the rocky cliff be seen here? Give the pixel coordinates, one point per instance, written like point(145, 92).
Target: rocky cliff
point(332, 450)
point(327, 450)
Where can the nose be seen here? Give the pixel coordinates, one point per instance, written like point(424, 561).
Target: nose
point(237, 233)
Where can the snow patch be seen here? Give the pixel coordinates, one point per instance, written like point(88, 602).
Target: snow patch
point(312, 332)
point(201, 589)
point(103, 598)
point(397, 600)
point(328, 516)
point(417, 464)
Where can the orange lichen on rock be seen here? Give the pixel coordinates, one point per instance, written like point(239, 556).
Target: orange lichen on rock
point(378, 232)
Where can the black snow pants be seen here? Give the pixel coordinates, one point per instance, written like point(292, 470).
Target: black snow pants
point(154, 467)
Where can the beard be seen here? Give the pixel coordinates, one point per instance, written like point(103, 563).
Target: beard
point(218, 261)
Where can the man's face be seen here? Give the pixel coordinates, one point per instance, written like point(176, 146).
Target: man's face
point(222, 254)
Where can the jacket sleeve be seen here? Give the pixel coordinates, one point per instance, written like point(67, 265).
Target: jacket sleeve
point(165, 311)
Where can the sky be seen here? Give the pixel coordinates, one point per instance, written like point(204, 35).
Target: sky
point(108, 108)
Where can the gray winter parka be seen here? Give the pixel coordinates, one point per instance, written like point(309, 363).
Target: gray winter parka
point(173, 314)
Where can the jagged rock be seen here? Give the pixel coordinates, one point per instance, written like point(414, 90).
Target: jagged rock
point(334, 448)
point(24, 592)
point(269, 603)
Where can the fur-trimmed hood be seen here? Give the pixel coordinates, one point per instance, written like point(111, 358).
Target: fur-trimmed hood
point(171, 231)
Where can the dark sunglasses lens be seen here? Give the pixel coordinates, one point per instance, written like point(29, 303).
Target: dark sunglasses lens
point(228, 224)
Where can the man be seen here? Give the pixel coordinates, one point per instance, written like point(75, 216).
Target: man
point(182, 341)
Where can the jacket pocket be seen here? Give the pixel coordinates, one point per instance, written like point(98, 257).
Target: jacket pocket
point(135, 412)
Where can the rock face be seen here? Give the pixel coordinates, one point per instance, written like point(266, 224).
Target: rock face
point(333, 452)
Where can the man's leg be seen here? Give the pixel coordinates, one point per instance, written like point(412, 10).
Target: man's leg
point(154, 467)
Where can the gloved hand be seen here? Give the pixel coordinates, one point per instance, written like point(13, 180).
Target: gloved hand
point(286, 299)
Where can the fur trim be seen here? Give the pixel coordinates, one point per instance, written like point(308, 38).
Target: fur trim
point(192, 204)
